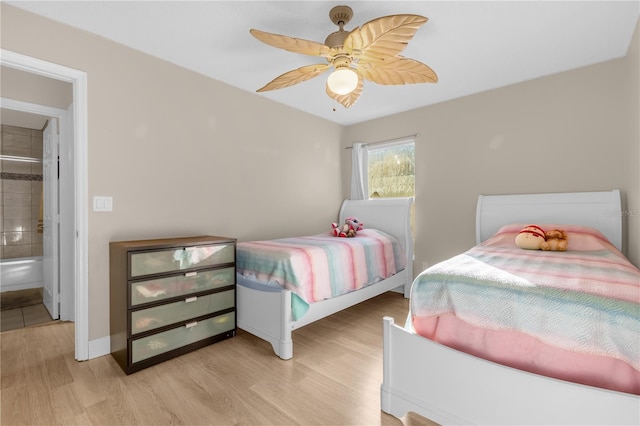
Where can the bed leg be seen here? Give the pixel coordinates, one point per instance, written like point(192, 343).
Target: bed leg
point(284, 349)
point(285, 343)
point(385, 396)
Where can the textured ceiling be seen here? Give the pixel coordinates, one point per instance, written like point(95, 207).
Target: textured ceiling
point(473, 46)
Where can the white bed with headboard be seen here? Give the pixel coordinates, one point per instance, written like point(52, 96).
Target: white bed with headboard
point(267, 313)
point(452, 387)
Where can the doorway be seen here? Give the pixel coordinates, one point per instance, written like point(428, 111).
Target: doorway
point(31, 260)
point(73, 236)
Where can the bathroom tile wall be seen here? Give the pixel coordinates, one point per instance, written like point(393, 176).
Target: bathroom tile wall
point(20, 193)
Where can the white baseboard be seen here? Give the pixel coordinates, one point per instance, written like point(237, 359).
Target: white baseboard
point(99, 347)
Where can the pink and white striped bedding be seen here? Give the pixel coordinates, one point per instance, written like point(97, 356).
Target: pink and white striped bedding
point(572, 315)
point(321, 266)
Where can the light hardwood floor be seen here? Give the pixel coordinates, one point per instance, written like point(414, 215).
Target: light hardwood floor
point(333, 379)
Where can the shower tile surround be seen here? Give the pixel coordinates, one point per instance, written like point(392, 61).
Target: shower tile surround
point(20, 192)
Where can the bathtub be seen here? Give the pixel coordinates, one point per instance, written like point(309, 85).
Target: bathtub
point(21, 274)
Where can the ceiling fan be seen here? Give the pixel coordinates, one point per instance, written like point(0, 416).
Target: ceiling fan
point(371, 52)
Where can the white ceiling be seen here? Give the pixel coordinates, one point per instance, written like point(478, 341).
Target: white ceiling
point(473, 46)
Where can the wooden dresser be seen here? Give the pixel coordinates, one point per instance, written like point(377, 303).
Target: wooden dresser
point(169, 297)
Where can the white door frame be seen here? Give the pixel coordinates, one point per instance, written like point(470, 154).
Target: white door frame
point(80, 277)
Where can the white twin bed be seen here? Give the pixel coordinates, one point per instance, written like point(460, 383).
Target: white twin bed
point(266, 311)
point(449, 386)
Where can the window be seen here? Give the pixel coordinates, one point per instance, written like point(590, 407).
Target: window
point(390, 169)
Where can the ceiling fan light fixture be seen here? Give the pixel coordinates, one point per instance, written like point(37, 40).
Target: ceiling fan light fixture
point(342, 81)
point(371, 52)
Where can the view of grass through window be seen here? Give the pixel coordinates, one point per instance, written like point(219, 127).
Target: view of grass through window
point(391, 171)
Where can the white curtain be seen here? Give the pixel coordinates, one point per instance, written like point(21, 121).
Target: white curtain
point(357, 174)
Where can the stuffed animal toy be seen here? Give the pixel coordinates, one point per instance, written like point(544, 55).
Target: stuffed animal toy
point(530, 237)
point(348, 230)
point(342, 231)
point(354, 223)
point(556, 240)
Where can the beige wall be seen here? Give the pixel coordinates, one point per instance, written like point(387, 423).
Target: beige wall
point(35, 89)
point(182, 154)
point(573, 131)
point(632, 165)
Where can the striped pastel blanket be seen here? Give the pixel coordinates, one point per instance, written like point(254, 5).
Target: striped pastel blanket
point(321, 266)
point(585, 300)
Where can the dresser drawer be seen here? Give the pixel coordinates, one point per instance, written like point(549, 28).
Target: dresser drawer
point(180, 285)
point(175, 338)
point(171, 313)
point(177, 259)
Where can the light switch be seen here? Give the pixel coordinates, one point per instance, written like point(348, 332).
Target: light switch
point(102, 204)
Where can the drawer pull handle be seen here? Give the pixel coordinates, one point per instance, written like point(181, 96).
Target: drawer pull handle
point(191, 274)
point(191, 299)
point(191, 324)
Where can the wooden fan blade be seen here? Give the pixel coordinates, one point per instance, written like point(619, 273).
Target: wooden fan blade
point(291, 44)
point(294, 77)
point(350, 98)
point(383, 37)
point(395, 71)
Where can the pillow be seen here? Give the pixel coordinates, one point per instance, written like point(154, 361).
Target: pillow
point(579, 237)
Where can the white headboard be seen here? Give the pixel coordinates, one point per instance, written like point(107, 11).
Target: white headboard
point(391, 215)
point(600, 210)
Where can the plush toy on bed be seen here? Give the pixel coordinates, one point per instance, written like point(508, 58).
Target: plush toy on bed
point(530, 237)
point(349, 229)
point(556, 240)
point(533, 237)
point(342, 231)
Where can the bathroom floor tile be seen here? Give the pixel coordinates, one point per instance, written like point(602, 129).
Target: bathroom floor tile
point(11, 319)
point(35, 314)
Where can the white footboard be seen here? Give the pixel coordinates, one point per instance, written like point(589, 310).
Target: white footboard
point(450, 387)
point(267, 315)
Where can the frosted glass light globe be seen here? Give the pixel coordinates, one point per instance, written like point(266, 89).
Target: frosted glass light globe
point(342, 81)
